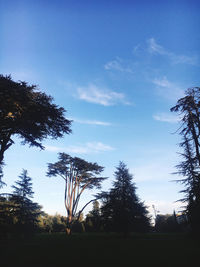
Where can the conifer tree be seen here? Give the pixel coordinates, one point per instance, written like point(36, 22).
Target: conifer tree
point(122, 211)
point(23, 186)
point(188, 108)
point(25, 210)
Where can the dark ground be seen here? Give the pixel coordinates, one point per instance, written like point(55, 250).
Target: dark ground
point(101, 250)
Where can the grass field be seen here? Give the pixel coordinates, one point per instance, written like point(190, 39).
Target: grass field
point(101, 250)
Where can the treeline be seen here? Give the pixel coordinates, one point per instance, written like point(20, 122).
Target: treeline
point(93, 222)
point(117, 210)
point(32, 116)
point(120, 210)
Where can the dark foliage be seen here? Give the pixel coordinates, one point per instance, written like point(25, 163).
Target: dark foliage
point(93, 221)
point(78, 175)
point(29, 114)
point(19, 214)
point(23, 186)
point(188, 108)
point(48, 223)
point(122, 211)
point(167, 223)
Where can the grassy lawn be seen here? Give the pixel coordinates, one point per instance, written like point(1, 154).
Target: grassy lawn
point(101, 250)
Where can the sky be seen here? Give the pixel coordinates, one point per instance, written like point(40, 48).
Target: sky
point(117, 67)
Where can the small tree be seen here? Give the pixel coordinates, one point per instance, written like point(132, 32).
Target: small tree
point(93, 218)
point(29, 114)
point(122, 211)
point(78, 176)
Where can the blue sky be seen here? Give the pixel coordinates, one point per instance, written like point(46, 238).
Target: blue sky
point(117, 67)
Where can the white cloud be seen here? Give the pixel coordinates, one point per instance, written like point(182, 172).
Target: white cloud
point(98, 146)
point(155, 48)
point(92, 122)
point(94, 94)
point(166, 117)
point(168, 89)
point(88, 148)
point(179, 59)
point(117, 65)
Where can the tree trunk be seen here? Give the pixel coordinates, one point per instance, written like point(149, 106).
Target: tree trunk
point(68, 231)
point(69, 225)
point(1, 156)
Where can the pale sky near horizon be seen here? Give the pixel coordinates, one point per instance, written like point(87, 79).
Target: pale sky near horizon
point(117, 67)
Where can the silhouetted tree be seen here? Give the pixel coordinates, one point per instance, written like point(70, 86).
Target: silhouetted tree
point(122, 211)
point(29, 114)
point(188, 108)
point(78, 175)
point(25, 210)
point(23, 186)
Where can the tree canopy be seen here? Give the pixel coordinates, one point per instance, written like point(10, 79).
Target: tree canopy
point(78, 175)
point(188, 108)
point(122, 211)
point(23, 187)
point(18, 213)
point(29, 114)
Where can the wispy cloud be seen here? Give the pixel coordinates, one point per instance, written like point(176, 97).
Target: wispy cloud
point(168, 89)
point(88, 148)
point(137, 48)
point(166, 117)
point(92, 122)
point(96, 95)
point(155, 48)
point(118, 65)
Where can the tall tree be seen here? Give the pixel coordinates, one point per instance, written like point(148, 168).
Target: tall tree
point(25, 210)
point(78, 176)
point(188, 108)
point(29, 114)
point(122, 211)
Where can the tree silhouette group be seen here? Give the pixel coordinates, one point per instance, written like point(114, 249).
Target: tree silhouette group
point(32, 116)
